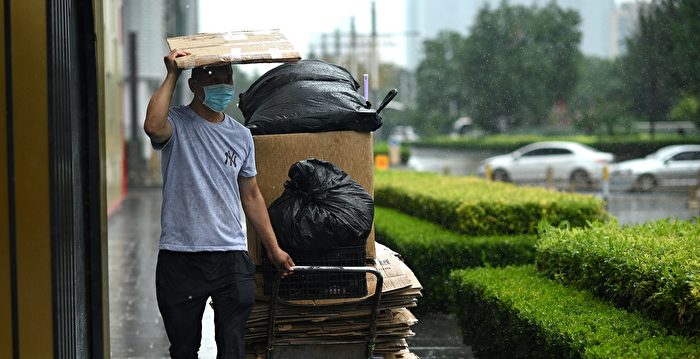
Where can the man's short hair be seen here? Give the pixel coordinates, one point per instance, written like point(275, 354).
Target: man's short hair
point(205, 72)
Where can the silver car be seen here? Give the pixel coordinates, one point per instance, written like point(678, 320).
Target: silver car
point(670, 166)
point(571, 163)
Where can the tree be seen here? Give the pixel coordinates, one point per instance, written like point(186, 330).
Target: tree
point(599, 96)
point(687, 109)
point(518, 62)
point(661, 62)
point(441, 92)
point(646, 68)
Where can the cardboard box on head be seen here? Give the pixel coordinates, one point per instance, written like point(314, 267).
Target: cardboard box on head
point(234, 47)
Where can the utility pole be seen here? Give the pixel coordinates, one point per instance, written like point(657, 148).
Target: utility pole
point(337, 45)
point(353, 47)
point(134, 155)
point(348, 46)
point(374, 59)
point(324, 46)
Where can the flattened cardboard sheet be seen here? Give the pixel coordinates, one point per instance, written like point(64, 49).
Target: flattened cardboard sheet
point(234, 47)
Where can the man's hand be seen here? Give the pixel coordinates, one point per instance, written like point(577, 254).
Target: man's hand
point(170, 63)
point(282, 261)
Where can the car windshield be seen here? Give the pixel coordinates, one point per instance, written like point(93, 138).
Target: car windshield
point(661, 153)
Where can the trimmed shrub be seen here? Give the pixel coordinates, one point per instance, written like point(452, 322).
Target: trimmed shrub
point(513, 312)
point(474, 206)
point(654, 267)
point(432, 252)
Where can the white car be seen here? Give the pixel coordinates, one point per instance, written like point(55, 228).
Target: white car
point(677, 165)
point(570, 163)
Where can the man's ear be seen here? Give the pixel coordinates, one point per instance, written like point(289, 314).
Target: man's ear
point(192, 84)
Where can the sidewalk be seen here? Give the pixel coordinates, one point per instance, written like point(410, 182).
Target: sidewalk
point(136, 328)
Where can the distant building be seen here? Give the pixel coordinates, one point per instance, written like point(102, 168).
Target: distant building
point(625, 22)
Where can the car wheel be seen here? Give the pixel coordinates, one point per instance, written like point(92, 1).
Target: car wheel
point(500, 175)
point(580, 179)
point(645, 183)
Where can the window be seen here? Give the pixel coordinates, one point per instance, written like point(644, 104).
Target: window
point(687, 156)
point(547, 152)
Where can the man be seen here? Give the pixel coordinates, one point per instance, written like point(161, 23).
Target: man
point(208, 166)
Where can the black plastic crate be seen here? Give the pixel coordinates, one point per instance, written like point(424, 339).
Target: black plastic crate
point(321, 285)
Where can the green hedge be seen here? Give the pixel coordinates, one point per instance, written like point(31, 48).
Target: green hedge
point(382, 148)
point(513, 312)
point(474, 206)
point(654, 267)
point(432, 252)
point(630, 146)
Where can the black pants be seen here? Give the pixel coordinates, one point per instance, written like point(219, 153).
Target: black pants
point(185, 280)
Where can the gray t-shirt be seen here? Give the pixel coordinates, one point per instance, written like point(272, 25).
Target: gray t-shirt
point(201, 163)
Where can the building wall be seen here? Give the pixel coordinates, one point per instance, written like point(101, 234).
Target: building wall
point(26, 252)
point(112, 55)
point(625, 22)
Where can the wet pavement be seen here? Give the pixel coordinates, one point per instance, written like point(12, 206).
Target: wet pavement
point(136, 328)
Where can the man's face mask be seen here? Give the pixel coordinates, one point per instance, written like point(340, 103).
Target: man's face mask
point(217, 97)
point(217, 83)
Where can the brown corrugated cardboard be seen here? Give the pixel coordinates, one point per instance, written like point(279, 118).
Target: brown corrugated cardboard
point(234, 47)
point(313, 323)
point(275, 154)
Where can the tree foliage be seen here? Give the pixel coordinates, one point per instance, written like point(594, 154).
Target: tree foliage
point(519, 62)
point(599, 96)
point(687, 109)
point(515, 64)
point(441, 92)
point(661, 63)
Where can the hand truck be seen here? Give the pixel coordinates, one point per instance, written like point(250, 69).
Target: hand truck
point(337, 349)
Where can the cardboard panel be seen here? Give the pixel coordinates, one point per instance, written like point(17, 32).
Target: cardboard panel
point(351, 151)
point(235, 47)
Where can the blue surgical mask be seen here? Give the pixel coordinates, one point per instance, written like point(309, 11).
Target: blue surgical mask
point(217, 97)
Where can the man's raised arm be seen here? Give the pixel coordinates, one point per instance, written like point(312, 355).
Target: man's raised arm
point(156, 124)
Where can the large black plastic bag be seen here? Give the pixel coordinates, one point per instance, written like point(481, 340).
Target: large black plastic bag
point(321, 207)
point(308, 96)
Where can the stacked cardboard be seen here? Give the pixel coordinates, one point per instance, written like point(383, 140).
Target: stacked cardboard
point(315, 322)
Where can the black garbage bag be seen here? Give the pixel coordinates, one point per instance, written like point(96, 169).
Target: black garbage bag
point(308, 96)
point(321, 208)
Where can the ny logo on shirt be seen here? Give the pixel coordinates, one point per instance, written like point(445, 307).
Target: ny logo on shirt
point(230, 159)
